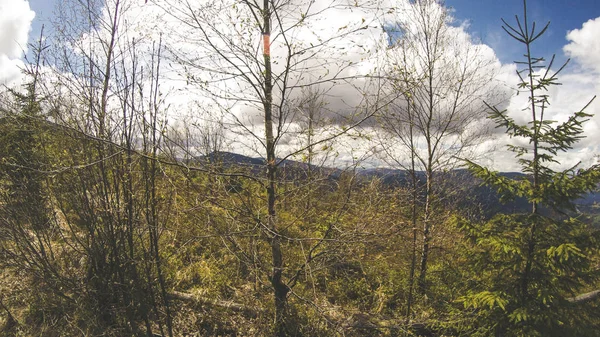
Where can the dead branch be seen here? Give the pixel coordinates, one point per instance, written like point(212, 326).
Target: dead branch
point(585, 297)
point(228, 305)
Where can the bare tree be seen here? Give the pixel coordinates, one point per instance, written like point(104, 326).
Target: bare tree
point(444, 77)
point(251, 60)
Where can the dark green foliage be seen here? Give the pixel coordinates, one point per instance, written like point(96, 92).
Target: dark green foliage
point(560, 266)
point(22, 158)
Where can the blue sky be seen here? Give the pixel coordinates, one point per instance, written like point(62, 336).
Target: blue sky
point(44, 11)
point(485, 16)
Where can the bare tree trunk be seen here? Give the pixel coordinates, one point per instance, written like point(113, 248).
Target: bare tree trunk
point(426, 231)
point(413, 259)
point(280, 289)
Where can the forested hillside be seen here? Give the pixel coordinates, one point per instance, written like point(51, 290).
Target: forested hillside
point(250, 210)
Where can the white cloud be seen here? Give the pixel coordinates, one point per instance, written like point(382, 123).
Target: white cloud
point(585, 45)
point(15, 23)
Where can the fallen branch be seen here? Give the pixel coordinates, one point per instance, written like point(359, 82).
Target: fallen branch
point(585, 297)
point(228, 305)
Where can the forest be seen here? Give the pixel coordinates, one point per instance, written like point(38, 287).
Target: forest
point(204, 168)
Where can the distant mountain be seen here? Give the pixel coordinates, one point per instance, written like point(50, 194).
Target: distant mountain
point(290, 169)
point(467, 191)
point(229, 158)
point(461, 189)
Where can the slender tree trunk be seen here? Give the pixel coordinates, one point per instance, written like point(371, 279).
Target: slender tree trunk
point(429, 164)
point(280, 289)
point(426, 230)
point(536, 169)
point(309, 173)
point(413, 174)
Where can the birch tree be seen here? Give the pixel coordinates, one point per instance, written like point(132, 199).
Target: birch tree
point(443, 76)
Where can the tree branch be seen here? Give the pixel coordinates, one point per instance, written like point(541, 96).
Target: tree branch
point(583, 298)
point(228, 305)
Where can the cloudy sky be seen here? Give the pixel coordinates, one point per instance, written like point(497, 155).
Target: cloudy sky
point(574, 33)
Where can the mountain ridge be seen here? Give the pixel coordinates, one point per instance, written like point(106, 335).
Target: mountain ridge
point(460, 181)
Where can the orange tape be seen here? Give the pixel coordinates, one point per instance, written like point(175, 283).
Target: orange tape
point(267, 44)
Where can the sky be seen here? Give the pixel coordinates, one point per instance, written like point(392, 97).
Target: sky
point(44, 11)
point(574, 32)
point(484, 18)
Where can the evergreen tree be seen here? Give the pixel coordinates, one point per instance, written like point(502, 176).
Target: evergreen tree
point(528, 266)
point(22, 155)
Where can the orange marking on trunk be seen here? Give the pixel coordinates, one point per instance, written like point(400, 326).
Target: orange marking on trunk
point(267, 44)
